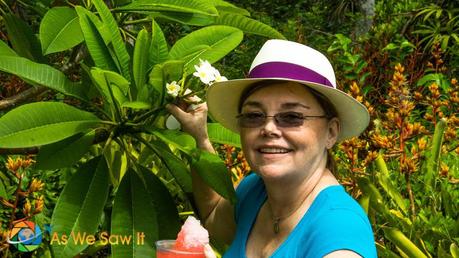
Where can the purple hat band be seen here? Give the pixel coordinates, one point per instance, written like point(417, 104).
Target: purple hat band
point(288, 71)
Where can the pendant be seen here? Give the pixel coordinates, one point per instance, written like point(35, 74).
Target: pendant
point(276, 226)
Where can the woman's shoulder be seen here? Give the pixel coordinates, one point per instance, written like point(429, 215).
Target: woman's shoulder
point(338, 222)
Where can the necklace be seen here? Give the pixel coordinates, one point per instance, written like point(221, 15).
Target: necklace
point(277, 220)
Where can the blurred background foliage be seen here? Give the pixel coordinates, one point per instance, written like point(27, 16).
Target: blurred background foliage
point(400, 58)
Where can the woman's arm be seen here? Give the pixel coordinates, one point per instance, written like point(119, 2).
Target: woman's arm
point(216, 213)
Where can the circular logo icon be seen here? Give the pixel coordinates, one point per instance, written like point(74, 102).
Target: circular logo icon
point(25, 236)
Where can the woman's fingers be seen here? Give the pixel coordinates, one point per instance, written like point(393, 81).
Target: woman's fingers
point(208, 252)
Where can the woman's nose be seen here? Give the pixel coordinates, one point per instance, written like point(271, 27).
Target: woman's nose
point(269, 128)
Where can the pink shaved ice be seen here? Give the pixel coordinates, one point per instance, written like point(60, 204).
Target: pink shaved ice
point(192, 237)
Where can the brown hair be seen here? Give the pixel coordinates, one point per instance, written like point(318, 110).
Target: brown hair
point(325, 104)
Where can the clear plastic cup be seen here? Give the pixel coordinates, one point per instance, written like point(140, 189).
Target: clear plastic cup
point(165, 249)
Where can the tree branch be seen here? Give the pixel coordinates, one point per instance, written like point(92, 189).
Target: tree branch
point(21, 97)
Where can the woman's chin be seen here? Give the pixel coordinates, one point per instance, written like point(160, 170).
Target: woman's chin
point(272, 171)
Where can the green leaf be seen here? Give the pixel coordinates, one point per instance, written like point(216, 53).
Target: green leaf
point(229, 8)
point(43, 123)
point(64, 153)
point(182, 141)
point(136, 105)
point(155, 87)
point(107, 81)
point(117, 42)
point(5, 50)
point(158, 51)
point(23, 40)
point(248, 25)
point(141, 59)
point(429, 78)
point(3, 193)
point(214, 42)
point(215, 173)
point(134, 218)
point(184, 6)
point(164, 204)
point(454, 250)
point(194, 19)
point(80, 207)
point(433, 158)
point(42, 74)
point(384, 180)
point(219, 134)
point(175, 166)
point(401, 241)
point(95, 41)
point(60, 30)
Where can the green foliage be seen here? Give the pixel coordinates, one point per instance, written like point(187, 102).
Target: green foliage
point(107, 117)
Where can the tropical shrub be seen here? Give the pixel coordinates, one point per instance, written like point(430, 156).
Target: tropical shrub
point(108, 72)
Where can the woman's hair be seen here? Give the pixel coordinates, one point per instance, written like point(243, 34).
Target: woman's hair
point(325, 104)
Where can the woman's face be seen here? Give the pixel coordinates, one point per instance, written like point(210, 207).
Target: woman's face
point(275, 151)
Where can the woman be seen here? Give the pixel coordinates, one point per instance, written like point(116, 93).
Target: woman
point(289, 114)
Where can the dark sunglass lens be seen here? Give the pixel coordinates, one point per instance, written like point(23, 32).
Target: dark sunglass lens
point(252, 119)
point(289, 119)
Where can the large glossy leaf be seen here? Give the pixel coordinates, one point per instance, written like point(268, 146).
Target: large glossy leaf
point(95, 41)
point(433, 159)
point(5, 50)
point(60, 30)
point(167, 213)
point(215, 173)
point(108, 83)
point(79, 208)
point(141, 59)
point(43, 123)
point(177, 139)
point(118, 44)
point(134, 218)
point(404, 243)
point(384, 180)
point(64, 153)
point(23, 40)
point(219, 134)
point(195, 19)
point(229, 8)
point(3, 193)
point(159, 50)
point(185, 6)
point(41, 74)
point(210, 43)
point(175, 166)
point(247, 25)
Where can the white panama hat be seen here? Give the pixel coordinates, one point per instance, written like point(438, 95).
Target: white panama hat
point(284, 60)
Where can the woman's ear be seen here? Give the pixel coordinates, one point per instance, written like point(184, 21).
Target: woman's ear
point(333, 132)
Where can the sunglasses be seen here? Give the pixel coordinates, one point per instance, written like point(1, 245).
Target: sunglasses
point(283, 119)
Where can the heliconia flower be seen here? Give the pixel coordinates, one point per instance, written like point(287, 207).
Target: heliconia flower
point(205, 72)
point(173, 88)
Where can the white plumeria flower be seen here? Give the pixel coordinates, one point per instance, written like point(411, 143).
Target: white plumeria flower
point(205, 72)
point(173, 88)
point(218, 77)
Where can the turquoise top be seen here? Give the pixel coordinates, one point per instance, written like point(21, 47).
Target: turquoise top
point(334, 221)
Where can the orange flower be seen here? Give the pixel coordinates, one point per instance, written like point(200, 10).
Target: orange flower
point(422, 144)
point(14, 165)
point(36, 185)
point(39, 203)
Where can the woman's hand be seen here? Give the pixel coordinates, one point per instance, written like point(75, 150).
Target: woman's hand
point(193, 121)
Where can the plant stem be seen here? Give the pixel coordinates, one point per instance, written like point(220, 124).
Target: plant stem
point(411, 196)
point(137, 21)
